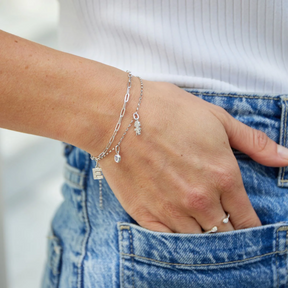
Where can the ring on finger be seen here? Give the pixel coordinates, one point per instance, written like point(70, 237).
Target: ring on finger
point(214, 229)
point(226, 219)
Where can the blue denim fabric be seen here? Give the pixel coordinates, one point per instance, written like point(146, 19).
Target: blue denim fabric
point(93, 247)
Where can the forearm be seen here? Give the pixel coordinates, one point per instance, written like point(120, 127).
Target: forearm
point(57, 95)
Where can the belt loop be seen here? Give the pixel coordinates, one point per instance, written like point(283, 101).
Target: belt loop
point(283, 171)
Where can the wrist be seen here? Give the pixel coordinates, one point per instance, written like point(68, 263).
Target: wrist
point(98, 108)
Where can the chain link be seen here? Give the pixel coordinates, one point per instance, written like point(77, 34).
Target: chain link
point(97, 171)
point(118, 125)
point(125, 132)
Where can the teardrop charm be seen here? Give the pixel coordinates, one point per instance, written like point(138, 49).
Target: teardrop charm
point(117, 157)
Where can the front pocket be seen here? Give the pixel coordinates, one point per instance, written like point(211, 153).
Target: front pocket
point(254, 257)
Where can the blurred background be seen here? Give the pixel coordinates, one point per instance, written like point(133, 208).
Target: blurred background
point(30, 166)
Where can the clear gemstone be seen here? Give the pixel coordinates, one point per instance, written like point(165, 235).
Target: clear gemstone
point(214, 229)
point(117, 158)
point(225, 220)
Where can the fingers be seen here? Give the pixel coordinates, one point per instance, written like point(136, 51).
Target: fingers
point(242, 214)
point(155, 226)
point(216, 219)
point(187, 225)
point(254, 143)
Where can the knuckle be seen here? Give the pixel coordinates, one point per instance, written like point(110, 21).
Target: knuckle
point(221, 110)
point(260, 140)
point(226, 178)
point(222, 114)
point(197, 200)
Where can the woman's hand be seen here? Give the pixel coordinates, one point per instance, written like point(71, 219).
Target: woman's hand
point(180, 174)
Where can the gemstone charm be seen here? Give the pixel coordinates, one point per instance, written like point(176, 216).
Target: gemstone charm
point(214, 229)
point(97, 173)
point(137, 124)
point(137, 128)
point(117, 158)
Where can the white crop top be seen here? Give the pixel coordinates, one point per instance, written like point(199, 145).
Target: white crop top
point(236, 45)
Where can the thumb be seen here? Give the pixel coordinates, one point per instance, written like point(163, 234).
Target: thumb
point(255, 144)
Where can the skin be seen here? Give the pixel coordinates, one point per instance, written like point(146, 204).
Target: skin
point(174, 177)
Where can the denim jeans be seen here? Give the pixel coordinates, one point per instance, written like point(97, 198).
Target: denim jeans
point(93, 247)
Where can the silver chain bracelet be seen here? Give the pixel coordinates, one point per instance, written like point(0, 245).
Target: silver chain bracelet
point(118, 125)
point(97, 171)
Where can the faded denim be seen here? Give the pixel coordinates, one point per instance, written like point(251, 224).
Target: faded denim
point(92, 247)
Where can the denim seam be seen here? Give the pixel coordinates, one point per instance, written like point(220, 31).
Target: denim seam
point(285, 137)
point(285, 228)
point(237, 96)
point(123, 259)
point(277, 247)
point(284, 141)
point(132, 252)
point(208, 264)
point(87, 224)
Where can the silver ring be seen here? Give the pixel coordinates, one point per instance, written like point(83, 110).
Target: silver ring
point(226, 220)
point(215, 228)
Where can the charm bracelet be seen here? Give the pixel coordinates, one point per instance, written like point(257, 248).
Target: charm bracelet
point(97, 171)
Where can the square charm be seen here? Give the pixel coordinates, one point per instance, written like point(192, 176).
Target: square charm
point(97, 173)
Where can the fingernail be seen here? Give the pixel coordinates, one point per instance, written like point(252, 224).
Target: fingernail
point(282, 151)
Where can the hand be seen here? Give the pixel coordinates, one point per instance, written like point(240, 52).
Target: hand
point(180, 174)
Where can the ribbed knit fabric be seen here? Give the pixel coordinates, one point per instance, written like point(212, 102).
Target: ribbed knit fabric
point(214, 44)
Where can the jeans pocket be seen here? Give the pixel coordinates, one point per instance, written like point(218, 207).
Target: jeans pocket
point(54, 260)
point(243, 258)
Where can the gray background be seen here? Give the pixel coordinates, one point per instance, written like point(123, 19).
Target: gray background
point(30, 166)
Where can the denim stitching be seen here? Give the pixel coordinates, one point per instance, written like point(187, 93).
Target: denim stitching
point(123, 259)
point(276, 256)
point(286, 255)
point(87, 224)
point(132, 252)
point(236, 96)
point(284, 144)
point(285, 136)
point(285, 131)
point(209, 264)
point(285, 228)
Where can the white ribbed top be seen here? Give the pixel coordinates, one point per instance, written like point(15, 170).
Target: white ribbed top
point(214, 44)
